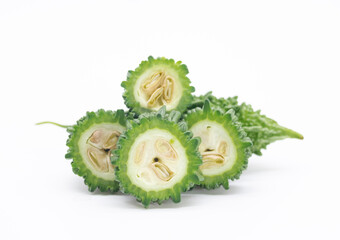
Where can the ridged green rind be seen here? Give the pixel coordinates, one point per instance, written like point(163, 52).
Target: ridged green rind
point(132, 77)
point(78, 166)
point(259, 128)
point(169, 123)
point(242, 143)
point(221, 104)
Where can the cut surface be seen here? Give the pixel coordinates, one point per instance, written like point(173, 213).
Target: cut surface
point(95, 146)
point(91, 143)
point(224, 147)
point(155, 83)
point(217, 148)
point(157, 160)
point(158, 86)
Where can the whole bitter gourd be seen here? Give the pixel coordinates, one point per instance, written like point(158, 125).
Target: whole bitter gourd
point(157, 158)
point(261, 129)
point(224, 147)
point(158, 82)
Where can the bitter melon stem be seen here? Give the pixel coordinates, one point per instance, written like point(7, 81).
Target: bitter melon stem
point(56, 124)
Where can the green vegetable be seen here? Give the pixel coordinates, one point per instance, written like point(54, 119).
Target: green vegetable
point(224, 147)
point(157, 158)
point(259, 128)
point(149, 152)
point(158, 82)
point(90, 143)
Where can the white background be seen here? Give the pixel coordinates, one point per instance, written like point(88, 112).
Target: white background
point(60, 59)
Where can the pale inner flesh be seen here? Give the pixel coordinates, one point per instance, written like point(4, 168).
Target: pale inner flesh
point(95, 146)
point(217, 148)
point(157, 160)
point(158, 86)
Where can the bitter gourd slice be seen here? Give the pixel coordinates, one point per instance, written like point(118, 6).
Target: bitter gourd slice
point(224, 147)
point(90, 143)
point(158, 82)
point(157, 158)
point(261, 129)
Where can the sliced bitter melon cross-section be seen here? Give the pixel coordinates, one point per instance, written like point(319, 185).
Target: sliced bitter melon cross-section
point(156, 159)
point(91, 142)
point(224, 147)
point(158, 82)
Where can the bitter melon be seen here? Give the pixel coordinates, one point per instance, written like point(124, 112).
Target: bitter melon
point(90, 143)
point(157, 158)
point(259, 128)
point(158, 82)
point(224, 147)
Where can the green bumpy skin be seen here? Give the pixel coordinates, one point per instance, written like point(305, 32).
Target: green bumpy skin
point(157, 158)
point(259, 128)
point(225, 148)
point(90, 143)
point(155, 83)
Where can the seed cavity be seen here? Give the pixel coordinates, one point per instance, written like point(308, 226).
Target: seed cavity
point(111, 140)
point(154, 82)
point(139, 153)
point(158, 89)
point(162, 171)
point(96, 137)
point(103, 139)
point(214, 154)
point(168, 88)
point(165, 149)
point(99, 159)
point(212, 160)
point(100, 144)
point(222, 148)
point(155, 96)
